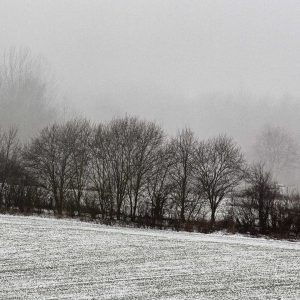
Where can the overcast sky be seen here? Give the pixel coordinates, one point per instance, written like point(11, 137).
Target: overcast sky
point(204, 64)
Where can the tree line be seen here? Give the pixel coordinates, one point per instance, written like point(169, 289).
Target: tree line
point(129, 170)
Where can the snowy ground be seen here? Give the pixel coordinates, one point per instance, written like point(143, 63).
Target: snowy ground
point(63, 259)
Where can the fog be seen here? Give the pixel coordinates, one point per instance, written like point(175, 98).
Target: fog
point(214, 66)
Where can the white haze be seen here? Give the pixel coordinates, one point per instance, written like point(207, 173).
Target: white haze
point(214, 66)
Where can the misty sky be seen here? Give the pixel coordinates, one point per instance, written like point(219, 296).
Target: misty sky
point(227, 66)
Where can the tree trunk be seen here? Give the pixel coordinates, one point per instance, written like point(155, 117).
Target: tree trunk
point(213, 217)
point(78, 203)
point(261, 216)
point(2, 194)
point(119, 210)
point(182, 217)
point(59, 208)
point(60, 203)
point(134, 209)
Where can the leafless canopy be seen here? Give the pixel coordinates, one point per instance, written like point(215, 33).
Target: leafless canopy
point(219, 168)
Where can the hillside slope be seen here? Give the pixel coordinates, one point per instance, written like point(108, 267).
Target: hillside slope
point(63, 259)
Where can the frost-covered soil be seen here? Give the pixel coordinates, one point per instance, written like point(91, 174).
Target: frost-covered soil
point(44, 258)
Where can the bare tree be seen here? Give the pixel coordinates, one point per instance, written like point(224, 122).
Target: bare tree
point(123, 153)
point(9, 156)
point(101, 169)
point(80, 140)
point(261, 193)
point(120, 150)
point(49, 156)
point(277, 150)
point(219, 168)
point(181, 173)
point(26, 91)
point(147, 139)
point(159, 183)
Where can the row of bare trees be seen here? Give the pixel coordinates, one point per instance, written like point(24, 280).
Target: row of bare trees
point(129, 169)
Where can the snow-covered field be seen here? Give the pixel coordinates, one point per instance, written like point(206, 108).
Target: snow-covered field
point(63, 259)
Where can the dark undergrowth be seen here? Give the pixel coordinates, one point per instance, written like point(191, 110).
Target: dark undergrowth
point(226, 225)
